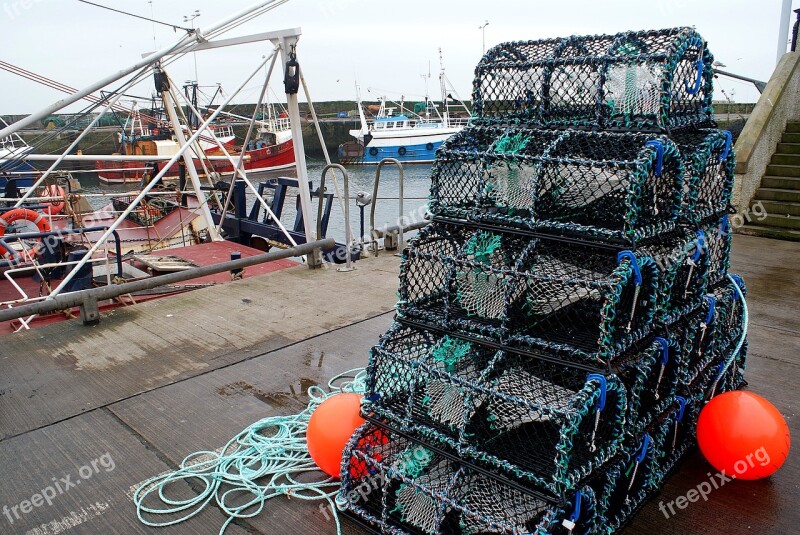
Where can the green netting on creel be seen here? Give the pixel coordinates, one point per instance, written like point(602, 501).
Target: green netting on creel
point(447, 497)
point(450, 351)
point(511, 144)
point(657, 79)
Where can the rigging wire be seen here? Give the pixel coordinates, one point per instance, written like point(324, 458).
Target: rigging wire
point(154, 21)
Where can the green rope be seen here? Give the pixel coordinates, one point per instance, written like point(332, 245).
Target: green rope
point(482, 246)
point(450, 351)
point(260, 463)
point(511, 144)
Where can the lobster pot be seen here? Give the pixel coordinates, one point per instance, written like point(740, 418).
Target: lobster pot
point(733, 377)
point(605, 186)
point(683, 262)
point(626, 483)
point(533, 419)
point(650, 376)
point(727, 321)
point(677, 432)
point(463, 276)
point(400, 486)
point(689, 346)
point(709, 164)
point(590, 301)
point(718, 237)
point(634, 80)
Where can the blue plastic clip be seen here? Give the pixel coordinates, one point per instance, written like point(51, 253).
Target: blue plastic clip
point(664, 350)
point(643, 450)
point(601, 403)
point(576, 513)
point(712, 307)
point(701, 245)
point(681, 408)
point(637, 273)
point(724, 226)
point(373, 398)
point(659, 154)
point(728, 141)
point(698, 80)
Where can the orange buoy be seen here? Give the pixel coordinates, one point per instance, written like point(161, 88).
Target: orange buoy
point(330, 428)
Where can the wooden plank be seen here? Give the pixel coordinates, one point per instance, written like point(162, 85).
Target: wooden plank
point(64, 369)
point(83, 497)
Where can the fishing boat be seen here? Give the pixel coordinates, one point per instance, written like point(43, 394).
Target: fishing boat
point(410, 136)
point(143, 135)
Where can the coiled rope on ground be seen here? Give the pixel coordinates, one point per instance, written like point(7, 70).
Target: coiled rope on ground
point(260, 463)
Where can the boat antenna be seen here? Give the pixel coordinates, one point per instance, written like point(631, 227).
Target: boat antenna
point(153, 16)
point(154, 21)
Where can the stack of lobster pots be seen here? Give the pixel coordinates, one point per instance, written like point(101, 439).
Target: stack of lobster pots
point(568, 312)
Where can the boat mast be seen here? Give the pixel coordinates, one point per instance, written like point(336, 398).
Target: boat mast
point(443, 88)
point(362, 118)
point(162, 85)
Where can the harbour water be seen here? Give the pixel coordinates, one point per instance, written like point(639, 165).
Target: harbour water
point(416, 186)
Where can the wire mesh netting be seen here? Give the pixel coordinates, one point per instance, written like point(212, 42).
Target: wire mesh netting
point(591, 301)
point(568, 312)
point(718, 238)
point(709, 164)
point(610, 186)
point(401, 486)
point(539, 420)
point(627, 481)
point(632, 80)
point(651, 377)
point(677, 433)
point(683, 261)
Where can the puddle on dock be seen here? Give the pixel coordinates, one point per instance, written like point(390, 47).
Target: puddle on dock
point(275, 399)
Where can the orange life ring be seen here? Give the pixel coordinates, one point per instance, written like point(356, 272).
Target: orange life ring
point(54, 190)
point(18, 214)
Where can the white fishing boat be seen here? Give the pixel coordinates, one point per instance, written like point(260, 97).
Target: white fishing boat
point(410, 137)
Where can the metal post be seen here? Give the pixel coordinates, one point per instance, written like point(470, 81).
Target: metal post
point(314, 259)
point(375, 202)
point(783, 29)
point(348, 237)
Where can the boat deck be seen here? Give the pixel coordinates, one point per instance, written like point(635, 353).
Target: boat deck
point(202, 254)
point(160, 380)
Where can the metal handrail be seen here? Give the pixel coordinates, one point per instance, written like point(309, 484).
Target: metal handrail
point(347, 234)
point(375, 202)
point(87, 299)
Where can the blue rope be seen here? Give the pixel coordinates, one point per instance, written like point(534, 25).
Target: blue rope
point(260, 463)
point(745, 323)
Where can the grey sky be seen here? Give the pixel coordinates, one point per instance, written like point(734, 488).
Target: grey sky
point(385, 45)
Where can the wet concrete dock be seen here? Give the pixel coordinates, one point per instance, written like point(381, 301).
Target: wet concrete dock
point(153, 383)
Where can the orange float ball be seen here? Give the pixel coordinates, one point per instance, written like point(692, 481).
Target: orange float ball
point(743, 434)
point(330, 428)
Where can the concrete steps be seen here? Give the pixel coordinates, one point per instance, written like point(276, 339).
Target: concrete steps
point(779, 194)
